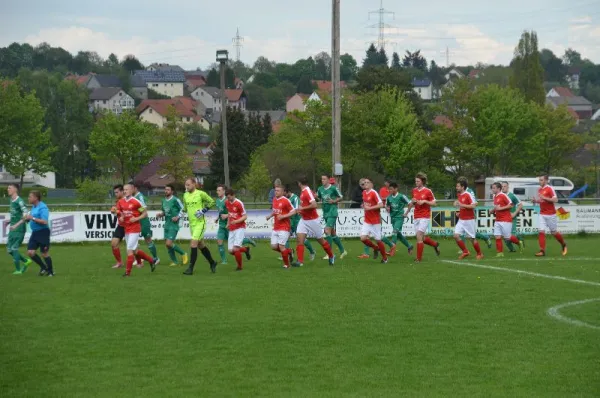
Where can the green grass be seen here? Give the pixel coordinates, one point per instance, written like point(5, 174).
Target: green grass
point(357, 329)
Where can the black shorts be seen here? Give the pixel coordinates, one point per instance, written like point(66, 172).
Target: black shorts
point(119, 233)
point(40, 240)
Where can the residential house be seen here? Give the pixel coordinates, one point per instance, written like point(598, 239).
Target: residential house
point(424, 88)
point(30, 178)
point(156, 111)
point(560, 92)
point(475, 74)
point(454, 74)
point(112, 99)
point(573, 78)
point(298, 101)
point(236, 98)
point(159, 67)
point(210, 97)
point(327, 85)
point(596, 115)
point(153, 178)
point(169, 83)
point(139, 89)
point(194, 81)
point(80, 80)
point(99, 81)
point(580, 105)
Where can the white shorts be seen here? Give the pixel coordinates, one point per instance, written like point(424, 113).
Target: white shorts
point(421, 224)
point(131, 240)
point(311, 228)
point(373, 230)
point(279, 237)
point(503, 229)
point(465, 227)
point(236, 238)
point(548, 223)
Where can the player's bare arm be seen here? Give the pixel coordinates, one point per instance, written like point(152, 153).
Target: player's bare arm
point(312, 205)
point(377, 206)
point(239, 220)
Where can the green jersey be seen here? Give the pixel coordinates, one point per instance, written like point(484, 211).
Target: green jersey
point(172, 207)
point(195, 201)
point(144, 222)
point(17, 211)
point(324, 195)
point(222, 210)
point(295, 204)
point(396, 203)
point(515, 201)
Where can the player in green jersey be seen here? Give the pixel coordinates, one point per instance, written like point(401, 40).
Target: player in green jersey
point(395, 204)
point(17, 229)
point(515, 211)
point(146, 226)
point(172, 211)
point(478, 235)
point(196, 204)
point(223, 232)
point(329, 195)
point(295, 219)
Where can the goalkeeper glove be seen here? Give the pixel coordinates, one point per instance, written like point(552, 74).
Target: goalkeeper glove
point(200, 213)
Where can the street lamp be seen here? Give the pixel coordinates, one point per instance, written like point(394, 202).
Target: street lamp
point(222, 57)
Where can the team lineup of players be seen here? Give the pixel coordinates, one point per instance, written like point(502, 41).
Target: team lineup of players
point(292, 215)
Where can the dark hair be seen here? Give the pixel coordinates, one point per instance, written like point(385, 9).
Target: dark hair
point(15, 186)
point(287, 189)
point(118, 187)
point(37, 194)
point(303, 180)
point(497, 185)
point(222, 186)
point(230, 192)
point(137, 185)
point(325, 175)
point(171, 187)
point(504, 182)
point(368, 179)
point(463, 182)
point(422, 176)
point(393, 185)
point(545, 176)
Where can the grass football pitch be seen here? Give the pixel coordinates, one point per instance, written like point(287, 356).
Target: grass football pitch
point(518, 326)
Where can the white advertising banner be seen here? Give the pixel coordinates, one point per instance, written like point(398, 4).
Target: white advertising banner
point(98, 226)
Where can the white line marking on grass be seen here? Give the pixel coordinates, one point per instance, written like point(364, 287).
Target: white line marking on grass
point(544, 259)
point(554, 312)
point(518, 271)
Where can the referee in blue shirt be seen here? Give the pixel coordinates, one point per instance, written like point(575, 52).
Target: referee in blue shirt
point(40, 233)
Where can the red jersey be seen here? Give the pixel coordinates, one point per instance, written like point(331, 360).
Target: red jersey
point(466, 198)
point(422, 211)
point(547, 208)
point(372, 198)
point(129, 208)
point(236, 211)
point(501, 199)
point(121, 224)
point(282, 206)
point(306, 198)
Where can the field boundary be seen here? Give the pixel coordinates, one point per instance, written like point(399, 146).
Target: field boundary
point(554, 312)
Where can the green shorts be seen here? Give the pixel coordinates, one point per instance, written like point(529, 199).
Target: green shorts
point(514, 226)
point(397, 224)
point(15, 239)
point(331, 222)
point(171, 232)
point(146, 229)
point(222, 233)
point(293, 227)
point(197, 230)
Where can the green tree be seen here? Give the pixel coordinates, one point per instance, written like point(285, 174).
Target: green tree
point(130, 63)
point(213, 78)
point(287, 89)
point(173, 146)
point(92, 191)
point(396, 61)
point(263, 65)
point(123, 144)
point(305, 85)
point(25, 143)
point(266, 80)
point(382, 57)
point(322, 66)
point(554, 69)
point(348, 67)
point(572, 58)
point(372, 57)
point(257, 97)
point(528, 74)
point(257, 180)
point(239, 146)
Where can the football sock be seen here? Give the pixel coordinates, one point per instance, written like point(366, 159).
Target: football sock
point(481, 236)
point(193, 256)
point(387, 242)
point(178, 250)
point(207, 255)
point(430, 242)
point(309, 246)
point(23, 259)
point(143, 256)
point(542, 241)
point(381, 247)
point(16, 260)
point(366, 249)
point(248, 241)
point(338, 243)
point(329, 239)
point(327, 248)
point(420, 247)
point(49, 265)
point(117, 253)
point(152, 249)
point(509, 244)
point(394, 239)
point(238, 258)
point(300, 253)
point(477, 247)
point(513, 239)
point(499, 246)
point(371, 244)
point(172, 255)
point(129, 264)
point(285, 255)
point(462, 246)
point(36, 259)
point(559, 238)
point(404, 241)
point(222, 254)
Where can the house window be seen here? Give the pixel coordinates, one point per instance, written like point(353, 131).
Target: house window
point(202, 93)
point(171, 84)
point(165, 84)
point(120, 94)
point(419, 91)
point(150, 110)
point(104, 102)
point(154, 84)
point(189, 119)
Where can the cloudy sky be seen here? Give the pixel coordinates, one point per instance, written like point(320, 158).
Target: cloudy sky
point(188, 33)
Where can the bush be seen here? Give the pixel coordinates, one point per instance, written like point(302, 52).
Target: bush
point(24, 192)
point(92, 191)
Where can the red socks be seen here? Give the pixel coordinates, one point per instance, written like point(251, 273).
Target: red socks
point(559, 238)
point(140, 255)
point(300, 253)
point(514, 240)
point(129, 264)
point(477, 247)
point(499, 246)
point(286, 256)
point(430, 242)
point(542, 241)
point(327, 248)
point(462, 246)
point(381, 248)
point(420, 247)
point(238, 258)
point(117, 253)
point(370, 244)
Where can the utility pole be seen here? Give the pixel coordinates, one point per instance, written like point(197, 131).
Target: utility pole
point(336, 119)
point(222, 56)
point(237, 43)
point(382, 12)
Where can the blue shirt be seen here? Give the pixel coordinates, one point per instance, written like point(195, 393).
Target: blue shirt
point(40, 212)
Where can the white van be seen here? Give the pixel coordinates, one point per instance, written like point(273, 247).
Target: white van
point(526, 188)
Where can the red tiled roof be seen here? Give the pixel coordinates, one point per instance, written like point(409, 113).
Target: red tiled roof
point(80, 80)
point(474, 73)
point(233, 95)
point(196, 81)
point(184, 106)
point(326, 85)
point(573, 113)
point(564, 92)
point(442, 120)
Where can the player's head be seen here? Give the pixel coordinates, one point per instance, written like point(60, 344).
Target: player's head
point(496, 188)
point(387, 183)
point(324, 179)
point(420, 180)
point(221, 191)
point(190, 184)
point(279, 191)
point(230, 193)
point(34, 197)
point(505, 186)
point(276, 182)
point(367, 183)
point(393, 188)
point(287, 191)
point(169, 190)
point(12, 189)
point(129, 189)
point(302, 182)
point(361, 183)
point(461, 185)
point(118, 191)
point(543, 179)
point(464, 180)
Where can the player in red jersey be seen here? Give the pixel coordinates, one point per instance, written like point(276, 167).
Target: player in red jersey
point(546, 199)
point(467, 203)
point(372, 205)
point(422, 201)
point(119, 232)
point(236, 224)
point(282, 211)
point(503, 224)
point(131, 211)
point(309, 223)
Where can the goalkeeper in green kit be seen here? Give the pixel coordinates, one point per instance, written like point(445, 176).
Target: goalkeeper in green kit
point(17, 229)
point(172, 211)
